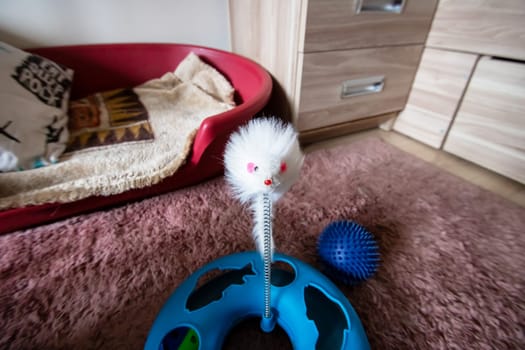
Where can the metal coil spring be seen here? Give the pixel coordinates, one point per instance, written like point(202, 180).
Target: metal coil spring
point(267, 225)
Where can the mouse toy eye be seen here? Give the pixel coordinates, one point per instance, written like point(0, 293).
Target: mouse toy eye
point(251, 167)
point(283, 167)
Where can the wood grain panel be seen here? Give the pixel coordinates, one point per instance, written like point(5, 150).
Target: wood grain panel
point(335, 25)
point(268, 31)
point(323, 73)
point(440, 82)
point(489, 128)
point(332, 131)
point(490, 27)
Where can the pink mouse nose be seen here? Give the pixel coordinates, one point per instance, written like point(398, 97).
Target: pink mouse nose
point(268, 182)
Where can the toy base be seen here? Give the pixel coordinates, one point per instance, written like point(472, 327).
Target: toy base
point(306, 304)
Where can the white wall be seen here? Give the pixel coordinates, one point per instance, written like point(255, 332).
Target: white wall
point(32, 23)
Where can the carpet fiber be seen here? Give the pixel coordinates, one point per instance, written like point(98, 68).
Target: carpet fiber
point(451, 275)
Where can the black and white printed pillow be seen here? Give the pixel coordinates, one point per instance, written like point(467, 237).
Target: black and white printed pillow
point(34, 96)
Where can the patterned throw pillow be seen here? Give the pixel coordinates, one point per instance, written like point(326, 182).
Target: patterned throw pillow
point(34, 95)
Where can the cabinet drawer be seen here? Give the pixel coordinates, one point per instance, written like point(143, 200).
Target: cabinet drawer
point(345, 24)
point(324, 74)
point(490, 27)
point(440, 82)
point(489, 128)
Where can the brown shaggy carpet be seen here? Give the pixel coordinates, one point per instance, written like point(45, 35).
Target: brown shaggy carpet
point(452, 272)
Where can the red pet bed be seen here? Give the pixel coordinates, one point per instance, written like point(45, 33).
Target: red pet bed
point(108, 66)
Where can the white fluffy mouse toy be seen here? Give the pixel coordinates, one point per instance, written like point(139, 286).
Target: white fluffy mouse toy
point(262, 158)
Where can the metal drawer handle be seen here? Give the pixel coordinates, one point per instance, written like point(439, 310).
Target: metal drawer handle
point(364, 86)
point(386, 6)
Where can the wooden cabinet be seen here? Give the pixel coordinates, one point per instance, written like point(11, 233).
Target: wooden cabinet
point(489, 128)
point(469, 92)
point(440, 83)
point(487, 27)
point(342, 64)
point(345, 24)
point(341, 86)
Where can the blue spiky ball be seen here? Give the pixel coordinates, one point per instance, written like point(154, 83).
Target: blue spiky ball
point(348, 251)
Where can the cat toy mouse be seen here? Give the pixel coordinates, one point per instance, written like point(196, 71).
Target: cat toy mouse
point(262, 161)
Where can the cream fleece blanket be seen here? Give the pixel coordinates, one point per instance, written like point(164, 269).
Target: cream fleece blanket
point(177, 104)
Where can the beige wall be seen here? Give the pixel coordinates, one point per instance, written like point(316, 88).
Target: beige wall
point(30, 23)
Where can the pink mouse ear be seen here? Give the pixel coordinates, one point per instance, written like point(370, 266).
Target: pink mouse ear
point(251, 167)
